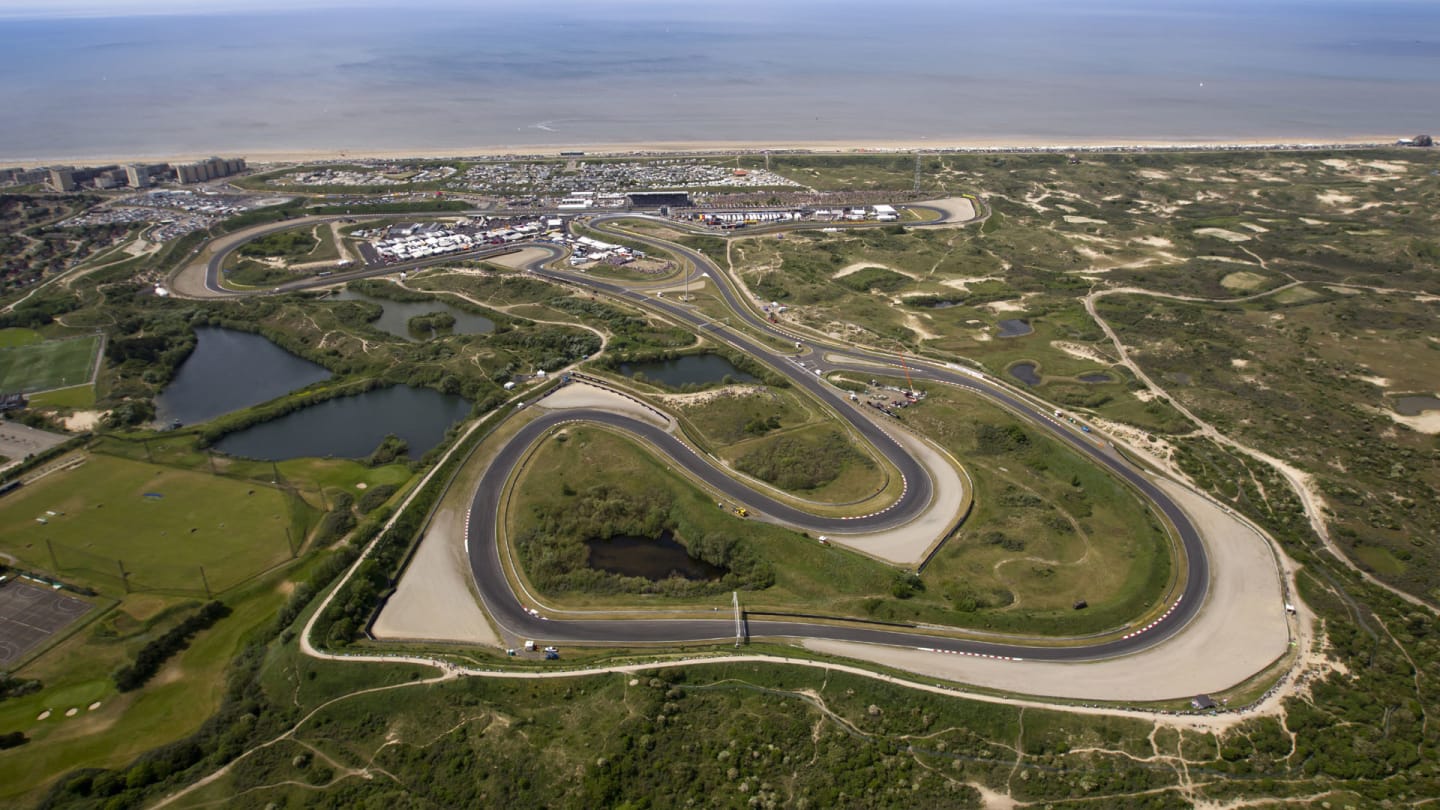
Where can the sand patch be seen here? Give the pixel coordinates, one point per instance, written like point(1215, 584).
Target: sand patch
point(1153, 241)
point(1386, 166)
point(1253, 227)
point(1334, 198)
point(1074, 220)
point(1426, 422)
point(1309, 221)
point(1337, 163)
point(1225, 259)
point(1069, 209)
point(1243, 280)
point(918, 327)
point(71, 712)
point(1152, 174)
point(1379, 382)
point(45, 715)
point(850, 269)
point(964, 283)
point(94, 706)
point(1236, 362)
point(706, 397)
point(1015, 305)
point(1222, 233)
point(1082, 351)
point(81, 421)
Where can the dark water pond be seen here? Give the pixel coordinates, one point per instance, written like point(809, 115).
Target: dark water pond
point(653, 559)
point(230, 370)
point(1416, 405)
point(696, 369)
point(352, 427)
point(1096, 377)
point(1012, 327)
point(397, 314)
point(1025, 373)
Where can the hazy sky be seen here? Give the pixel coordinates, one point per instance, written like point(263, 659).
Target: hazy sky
point(121, 8)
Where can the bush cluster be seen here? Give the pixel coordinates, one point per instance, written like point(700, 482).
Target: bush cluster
point(153, 655)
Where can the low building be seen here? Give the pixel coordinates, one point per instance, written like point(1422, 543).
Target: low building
point(656, 199)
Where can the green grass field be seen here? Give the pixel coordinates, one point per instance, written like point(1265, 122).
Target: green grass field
point(16, 336)
point(104, 512)
point(75, 397)
point(76, 674)
point(26, 365)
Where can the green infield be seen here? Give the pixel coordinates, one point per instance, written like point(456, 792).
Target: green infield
point(163, 525)
point(40, 366)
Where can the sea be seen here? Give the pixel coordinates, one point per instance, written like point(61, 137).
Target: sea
point(438, 75)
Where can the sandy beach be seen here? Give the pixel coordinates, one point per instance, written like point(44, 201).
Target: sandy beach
point(261, 158)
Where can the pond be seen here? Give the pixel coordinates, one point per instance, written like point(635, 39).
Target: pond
point(1025, 373)
point(1096, 377)
point(1011, 327)
point(352, 427)
point(396, 316)
point(652, 558)
point(1416, 405)
point(230, 370)
point(696, 369)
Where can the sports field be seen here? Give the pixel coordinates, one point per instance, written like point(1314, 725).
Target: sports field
point(161, 523)
point(51, 364)
point(29, 614)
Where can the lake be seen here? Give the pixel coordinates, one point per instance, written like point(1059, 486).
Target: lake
point(1012, 327)
point(397, 314)
point(692, 369)
point(353, 426)
point(651, 558)
point(1025, 373)
point(230, 370)
point(1416, 405)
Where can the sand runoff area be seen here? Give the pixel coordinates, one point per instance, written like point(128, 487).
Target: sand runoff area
point(436, 600)
point(1242, 629)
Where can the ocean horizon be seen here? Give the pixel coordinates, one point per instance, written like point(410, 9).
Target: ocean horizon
point(435, 76)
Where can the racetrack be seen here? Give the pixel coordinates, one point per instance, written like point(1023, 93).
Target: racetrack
point(513, 618)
